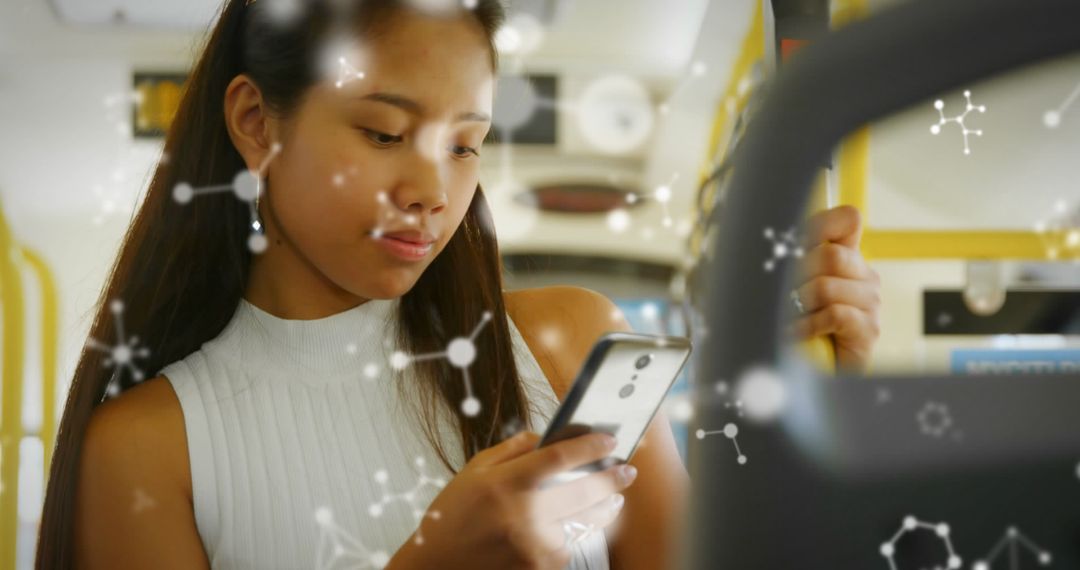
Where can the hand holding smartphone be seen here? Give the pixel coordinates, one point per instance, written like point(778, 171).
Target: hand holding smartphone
point(618, 391)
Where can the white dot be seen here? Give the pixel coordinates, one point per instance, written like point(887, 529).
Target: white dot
point(183, 193)
point(663, 194)
point(116, 306)
point(955, 562)
point(650, 311)
point(122, 354)
point(470, 406)
point(763, 392)
point(246, 186)
point(1052, 119)
point(910, 523)
point(399, 360)
point(700, 434)
point(323, 516)
point(381, 476)
point(698, 68)
point(461, 352)
point(680, 409)
point(380, 559)
point(742, 460)
point(731, 431)
point(618, 220)
point(887, 549)
point(375, 510)
point(371, 371)
point(942, 530)
point(981, 565)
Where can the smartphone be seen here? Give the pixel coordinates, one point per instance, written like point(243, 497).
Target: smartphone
point(618, 391)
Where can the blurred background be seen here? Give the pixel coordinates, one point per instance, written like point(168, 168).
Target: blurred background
point(611, 131)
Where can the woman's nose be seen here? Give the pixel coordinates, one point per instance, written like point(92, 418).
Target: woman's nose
point(422, 190)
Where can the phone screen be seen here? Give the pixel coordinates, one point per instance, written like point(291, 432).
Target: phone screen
point(619, 390)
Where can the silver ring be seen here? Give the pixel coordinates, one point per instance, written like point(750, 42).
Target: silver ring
point(795, 300)
point(575, 532)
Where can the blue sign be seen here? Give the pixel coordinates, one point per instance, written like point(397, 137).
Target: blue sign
point(992, 361)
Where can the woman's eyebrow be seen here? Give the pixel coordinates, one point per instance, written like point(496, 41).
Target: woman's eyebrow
point(415, 108)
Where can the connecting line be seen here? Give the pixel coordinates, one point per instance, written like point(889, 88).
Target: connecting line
point(959, 119)
point(1014, 540)
point(1053, 117)
point(730, 431)
point(343, 547)
point(888, 549)
point(662, 195)
point(347, 73)
point(410, 497)
point(247, 185)
point(460, 353)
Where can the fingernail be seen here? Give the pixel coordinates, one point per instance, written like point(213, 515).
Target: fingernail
point(627, 473)
point(617, 502)
point(610, 442)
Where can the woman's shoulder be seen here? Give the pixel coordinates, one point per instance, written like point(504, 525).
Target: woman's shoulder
point(133, 462)
point(141, 432)
point(560, 325)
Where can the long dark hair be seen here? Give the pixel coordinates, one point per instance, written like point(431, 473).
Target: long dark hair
point(182, 269)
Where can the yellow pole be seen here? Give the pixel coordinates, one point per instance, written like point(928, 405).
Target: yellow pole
point(11, 303)
point(49, 343)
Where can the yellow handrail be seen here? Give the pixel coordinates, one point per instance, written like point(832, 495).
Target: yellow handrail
point(12, 370)
point(49, 343)
point(11, 303)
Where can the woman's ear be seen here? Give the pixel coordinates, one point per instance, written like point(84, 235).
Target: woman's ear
point(249, 124)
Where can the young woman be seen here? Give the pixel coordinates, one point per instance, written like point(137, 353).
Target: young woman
point(337, 361)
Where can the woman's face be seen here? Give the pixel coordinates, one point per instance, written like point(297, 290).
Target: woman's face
point(375, 174)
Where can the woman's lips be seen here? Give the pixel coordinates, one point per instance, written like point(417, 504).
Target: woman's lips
point(408, 245)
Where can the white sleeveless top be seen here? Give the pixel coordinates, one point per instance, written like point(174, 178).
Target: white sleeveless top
point(303, 451)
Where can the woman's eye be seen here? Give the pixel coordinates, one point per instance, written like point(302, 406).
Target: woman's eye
point(464, 151)
point(382, 139)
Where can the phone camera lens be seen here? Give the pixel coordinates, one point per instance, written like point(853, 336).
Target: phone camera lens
point(643, 361)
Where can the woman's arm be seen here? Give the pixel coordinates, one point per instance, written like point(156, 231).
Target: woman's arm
point(560, 325)
point(133, 505)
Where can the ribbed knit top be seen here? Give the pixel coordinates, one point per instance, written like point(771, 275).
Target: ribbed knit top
point(304, 451)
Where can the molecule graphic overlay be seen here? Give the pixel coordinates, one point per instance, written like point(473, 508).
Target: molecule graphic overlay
point(247, 185)
point(1060, 232)
point(461, 353)
point(959, 119)
point(347, 73)
point(911, 524)
point(662, 195)
point(730, 431)
point(1013, 540)
point(123, 353)
point(784, 245)
point(409, 497)
point(345, 551)
point(1052, 118)
point(934, 419)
